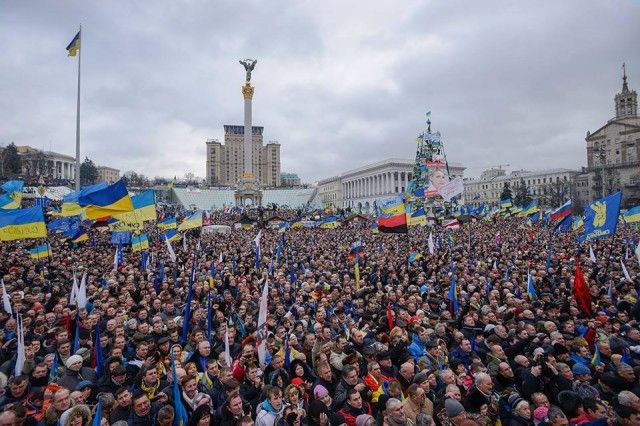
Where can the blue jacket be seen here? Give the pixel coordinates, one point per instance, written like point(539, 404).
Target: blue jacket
point(416, 349)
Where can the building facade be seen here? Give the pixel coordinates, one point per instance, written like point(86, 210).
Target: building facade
point(330, 192)
point(108, 174)
point(613, 151)
point(289, 179)
point(225, 160)
point(46, 164)
point(360, 187)
point(547, 186)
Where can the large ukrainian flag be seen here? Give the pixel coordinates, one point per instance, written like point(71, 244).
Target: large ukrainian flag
point(22, 223)
point(112, 200)
point(70, 206)
point(141, 242)
point(193, 221)
point(144, 208)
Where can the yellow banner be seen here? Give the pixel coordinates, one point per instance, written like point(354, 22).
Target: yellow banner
point(18, 232)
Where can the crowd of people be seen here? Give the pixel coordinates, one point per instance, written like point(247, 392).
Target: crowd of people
point(386, 346)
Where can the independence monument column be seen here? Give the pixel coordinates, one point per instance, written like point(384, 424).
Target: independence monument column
point(248, 192)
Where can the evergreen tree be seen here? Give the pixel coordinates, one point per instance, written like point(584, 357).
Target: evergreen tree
point(523, 198)
point(88, 172)
point(10, 161)
point(506, 192)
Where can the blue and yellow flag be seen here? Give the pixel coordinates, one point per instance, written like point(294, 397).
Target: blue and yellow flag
point(374, 227)
point(140, 242)
point(578, 222)
point(632, 215)
point(112, 200)
point(80, 236)
point(505, 203)
point(329, 222)
point(74, 46)
point(595, 359)
point(12, 196)
point(531, 208)
point(171, 235)
point(168, 223)
point(297, 224)
point(413, 256)
point(601, 218)
point(453, 295)
point(144, 208)
point(41, 251)
point(419, 217)
point(70, 206)
point(191, 222)
point(22, 223)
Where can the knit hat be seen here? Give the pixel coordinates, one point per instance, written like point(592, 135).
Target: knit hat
point(580, 369)
point(320, 392)
point(453, 407)
point(514, 400)
point(361, 420)
point(72, 360)
point(420, 378)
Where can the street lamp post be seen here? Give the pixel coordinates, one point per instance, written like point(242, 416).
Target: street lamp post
point(600, 151)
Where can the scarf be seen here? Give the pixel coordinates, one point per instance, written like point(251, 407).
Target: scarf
point(266, 406)
point(150, 390)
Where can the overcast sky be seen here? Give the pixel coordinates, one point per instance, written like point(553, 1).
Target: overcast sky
point(338, 83)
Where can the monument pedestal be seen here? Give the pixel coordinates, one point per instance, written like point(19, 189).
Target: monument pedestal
point(248, 192)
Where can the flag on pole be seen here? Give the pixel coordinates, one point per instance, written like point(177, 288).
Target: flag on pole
point(624, 270)
point(227, 350)
point(53, 372)
point(76, 336)
point(356, 271)
point(390, 316)
point(187, 309)
point(262, 321)
point(97, 418)
point(601, 218)
point(6, 300)
point(181, 418)
point(98, 353)
point(432, 247)
point(592, 255)
point(595, 359)
point(209, 315)
point(20, 357)
point(549, 253)
point(74, 46)
point(581, 291)
point(82, 292)
point(172, 254)
point(531, 289)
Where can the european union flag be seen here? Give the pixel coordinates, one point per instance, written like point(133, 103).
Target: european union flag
point(601, 218)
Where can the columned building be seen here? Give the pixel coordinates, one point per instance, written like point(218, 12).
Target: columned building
point(359, 188)
point(108, 174)
point(48, 164)
point(544, 185)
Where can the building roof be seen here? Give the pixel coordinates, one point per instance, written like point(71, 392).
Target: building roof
point(206, 199)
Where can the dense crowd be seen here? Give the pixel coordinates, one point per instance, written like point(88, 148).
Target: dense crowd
point(389, 348)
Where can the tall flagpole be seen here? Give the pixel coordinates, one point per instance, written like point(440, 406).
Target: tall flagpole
point(78, 117)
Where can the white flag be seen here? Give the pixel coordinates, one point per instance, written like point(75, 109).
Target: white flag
point(220, 258)
point(256, 240)
point(638, 253)
point(6, 301)
point(74, 290)
point(198, 245)
point(227, 350)
point(262, 328)
point(20, 357)
point(495, 266)
point(82, 292)
point(115, 260)
point(592, 255)
point(172, 254)
point(624, 270)
point(184, 242)
point(432, 247)
point(626, 254)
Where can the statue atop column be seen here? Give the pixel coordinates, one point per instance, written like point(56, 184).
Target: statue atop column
point(249, 65)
